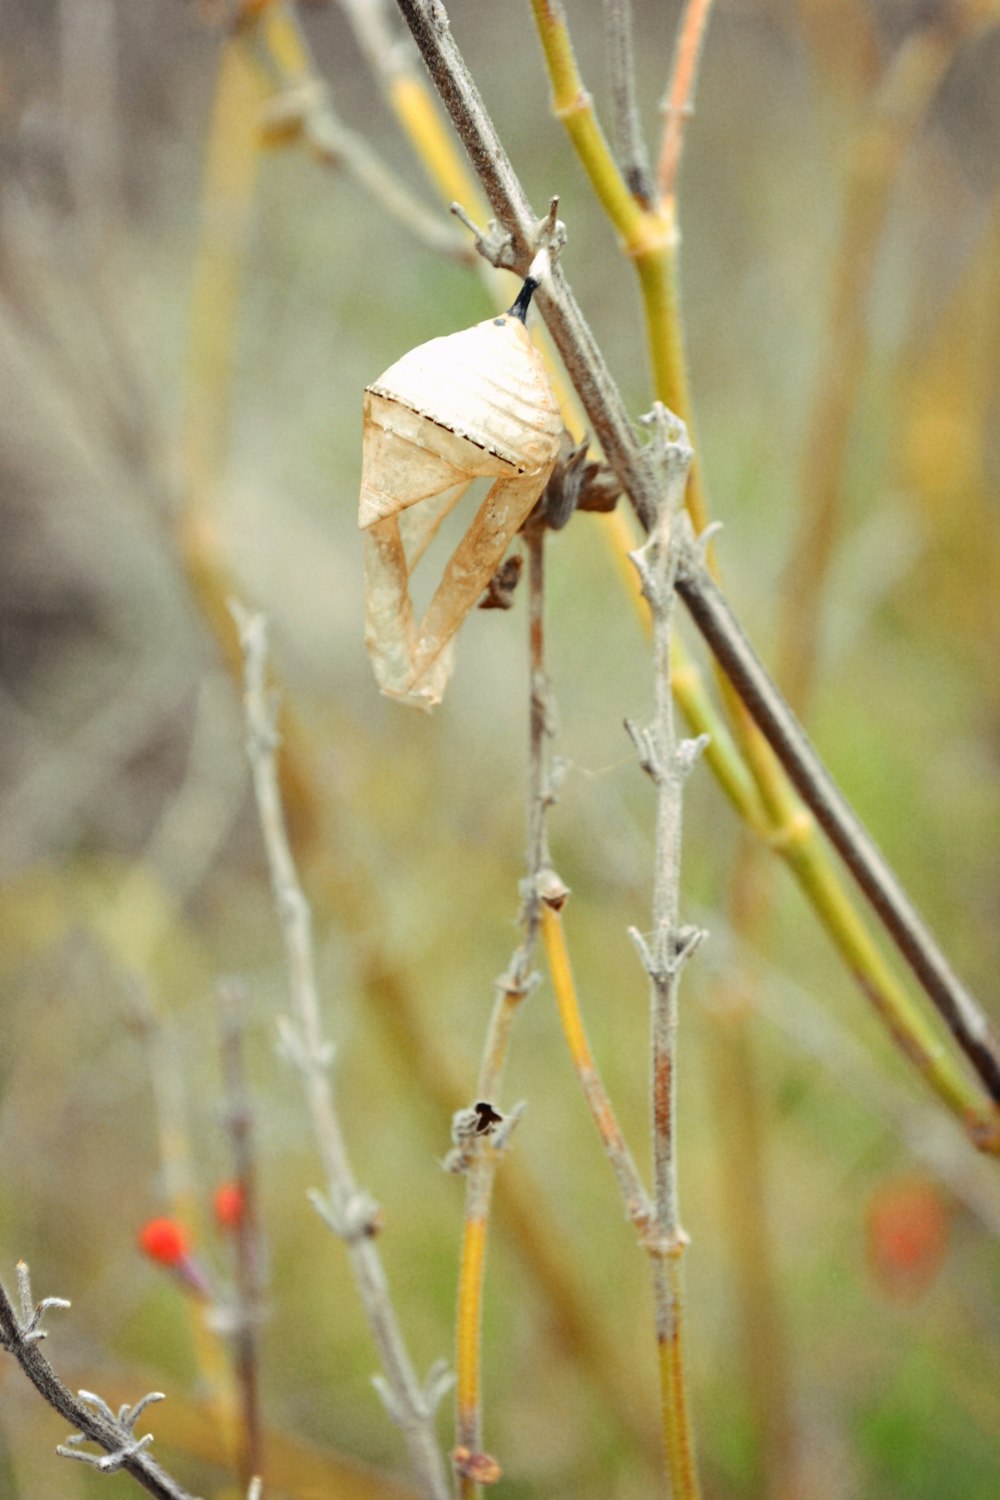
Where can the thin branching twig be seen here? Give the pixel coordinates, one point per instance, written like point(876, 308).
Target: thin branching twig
point(249, 1299)
point(516, 246)
point(664, 954)
point(21, 1334)
point(629, 143)
point(303, 108)
point(480, 1140)
point(350, 1212)
point(708, 606)
point(678, 102)
point(161, 1045)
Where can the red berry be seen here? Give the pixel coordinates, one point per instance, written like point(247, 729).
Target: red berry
point(165, 1240)
point(229, 1202)
point(907, 1233)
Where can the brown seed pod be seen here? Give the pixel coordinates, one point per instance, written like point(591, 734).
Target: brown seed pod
point(474, 404)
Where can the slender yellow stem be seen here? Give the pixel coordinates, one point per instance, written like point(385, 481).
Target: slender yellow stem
point(648, 234)
point(573, 106)
point(671, 1359)
point(421, 122)
point(915, 1035)
point(636, 1200)
point(467, 1336)
point(228, 196)
point(665, 1251)
point(790, 829)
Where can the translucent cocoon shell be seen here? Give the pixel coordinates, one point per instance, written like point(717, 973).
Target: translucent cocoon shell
point(472, 404)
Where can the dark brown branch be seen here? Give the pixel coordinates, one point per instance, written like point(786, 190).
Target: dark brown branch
point(249, 1298)
point(602, 401)
point(725, 636)
point(570, 331)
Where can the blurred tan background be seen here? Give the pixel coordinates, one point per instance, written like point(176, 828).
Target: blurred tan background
point(129, 850)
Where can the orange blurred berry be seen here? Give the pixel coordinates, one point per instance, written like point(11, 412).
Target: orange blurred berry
point(165, 1240)
point(229, 1203)
point(907, 1235)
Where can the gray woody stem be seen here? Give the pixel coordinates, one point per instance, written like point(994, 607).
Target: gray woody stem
point(606, 412)
point(350, 1212)
point(20, 1334)
point(629, 144)
point(664, 955)
point(579, 352)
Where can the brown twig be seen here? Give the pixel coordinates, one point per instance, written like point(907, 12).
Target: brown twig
point(708, 606)
point(180, 1191)
point(714, 618)
point(678, 102)
point(478, 1145)
point(249, 1248)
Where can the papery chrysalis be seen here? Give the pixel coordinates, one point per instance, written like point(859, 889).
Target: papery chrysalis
point(473, 404)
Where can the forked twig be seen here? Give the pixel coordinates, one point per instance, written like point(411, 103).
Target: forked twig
point(665, 952)
point(21, 1334)
point(303, 108)
point(709, 608)
point(480, 1135)
point(349, 1211)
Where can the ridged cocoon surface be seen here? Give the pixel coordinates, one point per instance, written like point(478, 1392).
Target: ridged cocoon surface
point(474, 404)
point(487, 384)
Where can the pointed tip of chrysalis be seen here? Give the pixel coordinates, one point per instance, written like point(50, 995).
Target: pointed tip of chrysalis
point(519, 307)
point(537, 272)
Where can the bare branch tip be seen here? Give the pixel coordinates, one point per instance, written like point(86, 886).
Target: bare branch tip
point(644, 741)
point(438, 1382)
point(494, 243)
point(690, 751)
point(394, 1410)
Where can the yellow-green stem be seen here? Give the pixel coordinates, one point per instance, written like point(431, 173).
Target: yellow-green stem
point(677, 1427)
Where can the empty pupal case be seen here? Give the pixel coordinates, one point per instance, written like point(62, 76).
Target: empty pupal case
point(473, 404)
